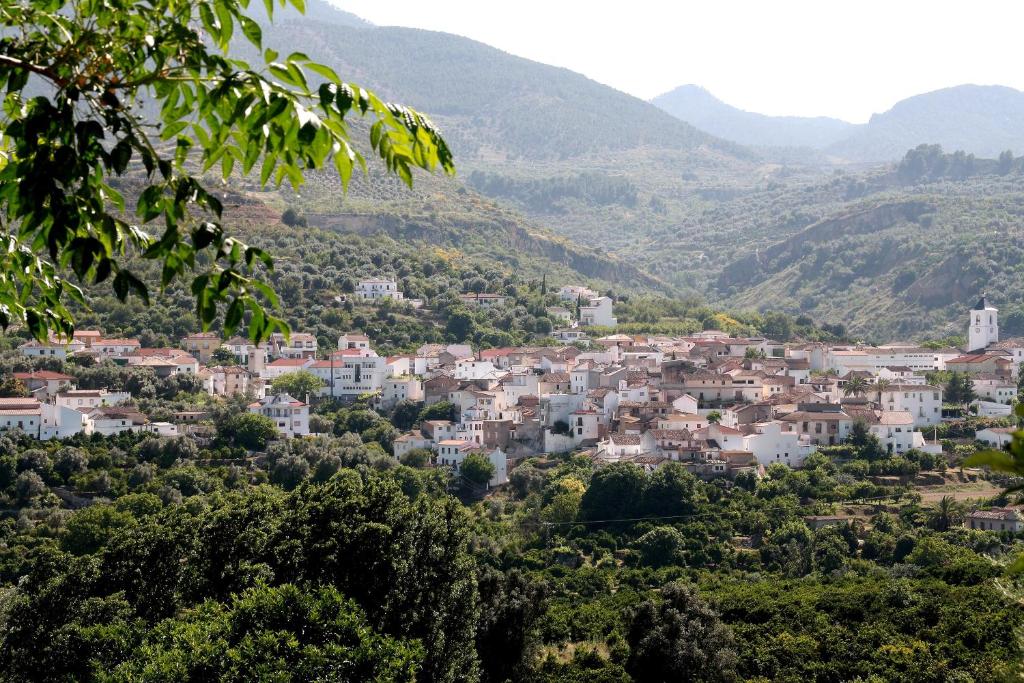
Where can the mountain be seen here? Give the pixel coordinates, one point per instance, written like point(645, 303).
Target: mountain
point(492, 105)
point(979, 119)
point(697, 106)
point(561, 175)
point(983, 120)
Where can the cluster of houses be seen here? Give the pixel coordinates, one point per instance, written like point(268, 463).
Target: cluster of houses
point(57, 408)
point(718, 404)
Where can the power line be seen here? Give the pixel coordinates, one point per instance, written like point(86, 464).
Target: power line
point(698, 515)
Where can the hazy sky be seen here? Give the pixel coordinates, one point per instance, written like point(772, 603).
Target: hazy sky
point(827, 57)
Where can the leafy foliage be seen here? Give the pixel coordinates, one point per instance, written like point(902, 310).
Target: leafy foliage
point(97, 61)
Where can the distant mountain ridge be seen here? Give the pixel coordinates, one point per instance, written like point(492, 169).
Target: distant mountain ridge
point(697, 106)
point(983, 120)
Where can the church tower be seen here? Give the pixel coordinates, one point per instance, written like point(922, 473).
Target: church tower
point(984, 326)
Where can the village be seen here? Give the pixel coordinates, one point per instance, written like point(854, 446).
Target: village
point(719, 405)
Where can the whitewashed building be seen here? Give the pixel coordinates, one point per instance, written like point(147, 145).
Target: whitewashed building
point(290, 415)
point(378, 288)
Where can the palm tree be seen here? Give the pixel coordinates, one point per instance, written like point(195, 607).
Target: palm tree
point(881, 385)
point(945, 514)
point(855, 386)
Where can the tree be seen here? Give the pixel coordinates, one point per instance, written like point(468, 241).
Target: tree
point(291, 218)
point(69, 461)
point(615, 492)
point(777, 326)
point(252, 431)
point(507, 638)
point(672, 490)
point(946, 514)
point(223, 356)
point(714, 417)
point(12, 387)
point(61, 148)
point(661, 546)
point(417, 457)
point(28, 486)
point(289, 471)
point(855, 386)
point(477, 468)
point(460, 325)
point(284, 633)
point(405, 414)
point(442, 410)
point(88, 530)
point(880, 385)
point(679, 638)
point(1005, 162)
point(299, 384)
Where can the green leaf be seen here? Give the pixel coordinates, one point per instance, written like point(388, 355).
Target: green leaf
point(150, 204)
point(252, 31)
point(325, 71)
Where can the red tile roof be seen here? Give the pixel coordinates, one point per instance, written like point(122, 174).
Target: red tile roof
point(42, 374)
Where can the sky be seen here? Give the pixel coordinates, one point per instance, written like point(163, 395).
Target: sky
point(840, 58)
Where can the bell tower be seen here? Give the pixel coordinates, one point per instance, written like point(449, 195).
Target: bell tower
point(984, 325)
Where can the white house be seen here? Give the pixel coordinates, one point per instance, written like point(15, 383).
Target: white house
point(51, 349)
point(483, 300)
point(115, 348)
point(282, 366)
point(996, 519)
point(347, 375)
point(771, 443)
point(560, 314)
point(994, 388)
point(995, 436)
point(290, 415)
point(161, 429)
point(354, 340)
point(296, 345)
point(584, 425)
point(618, 445)
point(991, 408)
point(409, 441)
point(60, 422)
point(404, 388)
point(922, 401)
point(43, 384)
point(86, 399)
point(598, 311)
point(378, 289)
point(823, 424)
point(576, 292)
point(895, 430)
point(21, 413)
point(111, 420)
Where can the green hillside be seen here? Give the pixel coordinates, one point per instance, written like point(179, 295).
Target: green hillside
point(492, 105)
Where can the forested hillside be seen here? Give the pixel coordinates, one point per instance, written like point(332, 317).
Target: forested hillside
point(641, 201)
point(492, 105)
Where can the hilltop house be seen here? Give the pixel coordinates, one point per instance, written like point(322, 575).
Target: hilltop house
point(375, 288)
